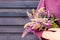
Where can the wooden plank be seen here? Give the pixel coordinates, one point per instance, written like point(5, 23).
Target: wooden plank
point(17, 0)
point(18, 4)
point(11, 29)
point(17, 37)
point(14, 12)
point(14, 21)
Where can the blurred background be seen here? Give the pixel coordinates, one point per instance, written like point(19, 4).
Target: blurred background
point(13, 17)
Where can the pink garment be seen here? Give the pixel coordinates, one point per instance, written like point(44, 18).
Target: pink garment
point(52, 5)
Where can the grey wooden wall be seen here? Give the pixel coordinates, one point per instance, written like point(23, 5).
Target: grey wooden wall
point(13, 17)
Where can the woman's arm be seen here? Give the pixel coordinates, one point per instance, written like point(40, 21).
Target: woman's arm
point(52, 35)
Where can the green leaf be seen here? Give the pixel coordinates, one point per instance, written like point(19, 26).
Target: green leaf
point(52, 18)
point(54, 25)
point(44, 16)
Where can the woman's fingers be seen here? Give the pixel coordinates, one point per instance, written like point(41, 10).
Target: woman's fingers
point(47, 34)
point(54, 29)
point(52, 35)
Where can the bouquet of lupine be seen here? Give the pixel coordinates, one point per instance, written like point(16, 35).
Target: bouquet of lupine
point(41, 21)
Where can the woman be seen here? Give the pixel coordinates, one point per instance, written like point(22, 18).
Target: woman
point(54, 7)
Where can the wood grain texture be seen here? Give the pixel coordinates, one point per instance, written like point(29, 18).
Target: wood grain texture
point(18, 4)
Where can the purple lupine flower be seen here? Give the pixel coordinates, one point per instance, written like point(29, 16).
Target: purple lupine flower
point(50, 21)
point(26, 31)
point(48, 14)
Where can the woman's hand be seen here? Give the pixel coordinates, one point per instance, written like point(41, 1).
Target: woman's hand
point(52, 35)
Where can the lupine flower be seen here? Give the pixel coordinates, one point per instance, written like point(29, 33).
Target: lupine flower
point(41, 10)
point(48, 14)
point(28, 24)
point(30, 15)
point(26, 31)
